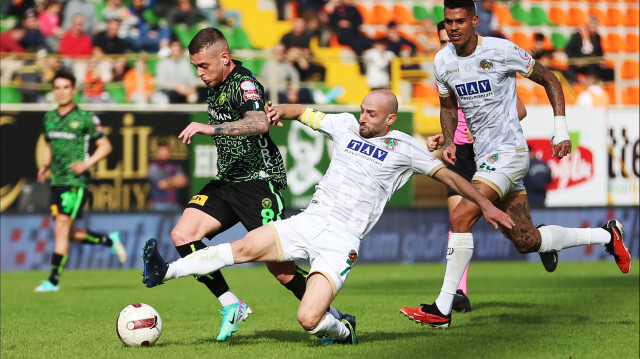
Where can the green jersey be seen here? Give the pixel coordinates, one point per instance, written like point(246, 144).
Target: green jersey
point(243, 158)
point(69, 137)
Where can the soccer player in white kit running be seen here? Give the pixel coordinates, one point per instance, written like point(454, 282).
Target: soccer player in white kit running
point(369, 163)
point(481, 73)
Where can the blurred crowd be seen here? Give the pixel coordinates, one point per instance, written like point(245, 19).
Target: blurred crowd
point(95, 39)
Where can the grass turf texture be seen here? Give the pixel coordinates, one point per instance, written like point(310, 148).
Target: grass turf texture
point(583, 310)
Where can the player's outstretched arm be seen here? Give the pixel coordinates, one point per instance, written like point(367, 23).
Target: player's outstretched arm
point(449, 123)
point(283, 112)
point(493, 215)
point(103, 149)
point(46, 162)
point(253, 123)
point(561, 143)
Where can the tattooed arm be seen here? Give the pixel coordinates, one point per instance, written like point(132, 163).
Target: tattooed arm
point(449, 123)
point(561, 144)
point(253, 123)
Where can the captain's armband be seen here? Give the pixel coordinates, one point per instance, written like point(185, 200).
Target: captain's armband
point(312, 118)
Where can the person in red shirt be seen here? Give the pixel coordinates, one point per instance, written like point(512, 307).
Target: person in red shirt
point(75, 42)
point(10, 40)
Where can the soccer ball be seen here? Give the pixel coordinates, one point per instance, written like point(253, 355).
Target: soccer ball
point(139, 325)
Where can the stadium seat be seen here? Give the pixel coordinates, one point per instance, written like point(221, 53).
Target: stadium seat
point(631, 96)
point(631, 44)
point(612, 43)
point(557, 16)
point(525, 94)
point(10, 95)
point(540, 95)
point(437, 13)
point(380, 15)
point(610, 88)
point(559, 40)
point(598, 13)
point(577, 17)
point(402, 15)
point(420, 12)
point(425, 93)
point(504, 15)
point(614, 17)
point(365, 13)
point(538, 17)
point(521, 39)
point(632, 17)
point(630, 70)
point(520, 15)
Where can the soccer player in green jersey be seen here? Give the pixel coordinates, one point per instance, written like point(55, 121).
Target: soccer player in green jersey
point(251, 172)
point(68, 132)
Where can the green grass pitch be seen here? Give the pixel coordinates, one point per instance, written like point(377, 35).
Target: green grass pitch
point(583, 310)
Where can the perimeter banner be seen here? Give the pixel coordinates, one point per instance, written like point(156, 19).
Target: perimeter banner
point(401, 236)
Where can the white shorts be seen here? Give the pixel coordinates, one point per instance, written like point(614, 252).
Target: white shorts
point(504, 172)
point(331, 251)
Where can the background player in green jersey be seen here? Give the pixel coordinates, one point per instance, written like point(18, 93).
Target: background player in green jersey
point(250, 171)
point(68, 132)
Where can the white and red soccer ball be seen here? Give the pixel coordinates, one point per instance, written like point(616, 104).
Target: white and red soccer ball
point(139, 325)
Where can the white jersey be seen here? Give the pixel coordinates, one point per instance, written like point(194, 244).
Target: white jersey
point(485, 86)
point(364, 173)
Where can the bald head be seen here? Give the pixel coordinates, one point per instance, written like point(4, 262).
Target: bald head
point(384, 98)
point(378, 112)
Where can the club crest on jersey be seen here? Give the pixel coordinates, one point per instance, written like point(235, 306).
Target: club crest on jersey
point(486, 65)
point(222, 98)
point(266, 203)
point(474, 90)
point(366, 151)
point(390, 143)
point(74, 125)
point(495, 158)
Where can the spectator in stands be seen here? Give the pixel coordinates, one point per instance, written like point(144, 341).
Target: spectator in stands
point(298, 36)
point(318, 26)
point(166, 179)
point(145, 35)
point(400, 46)
point(426, 41)
point(75, 42)
point(17, 7)
point(115, 9)
point(29, 75)
point(175, 78)
point(10, 39)
point(184, 13)
point(346, 21)
point(281, 9)
point(594, 95)
point(82, 7)
point(49, 20)
point(377, 61)
point(138, 83)
point(538, 50)
point(93, 87)
point(302, 60)
point(278, 73)
point(586, 44)
point(487, 20)
point(212, 11)
point(33, 39)
point(537, 179)
point(119, 67)
point(108, 42)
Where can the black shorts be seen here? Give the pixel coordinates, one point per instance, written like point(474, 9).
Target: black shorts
point(68, 200)
point(465, 165)
point(253, 203)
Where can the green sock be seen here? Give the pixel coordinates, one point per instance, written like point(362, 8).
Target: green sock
point(57, 265)
point(97, 238)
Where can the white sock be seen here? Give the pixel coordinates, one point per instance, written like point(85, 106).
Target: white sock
point(332, 328)
point(559, 238)
point(458, 257)
point(334, 312)
point(228, 298)
point(201, 262)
